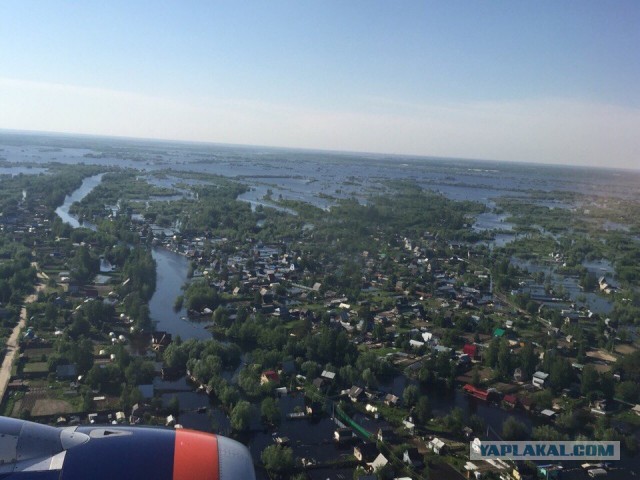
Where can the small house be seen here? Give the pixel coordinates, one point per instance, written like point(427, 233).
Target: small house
point(510, 401)
point(437, 446)
point(548, 414)
point(539, 378)
point(355, 393)
point(471, 350)
point(379, 462)
point(391, 400)
point(328, 375)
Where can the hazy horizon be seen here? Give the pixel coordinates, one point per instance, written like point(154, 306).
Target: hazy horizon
point(548, 83)
point(386, 155)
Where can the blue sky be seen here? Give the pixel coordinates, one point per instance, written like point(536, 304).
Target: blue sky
point(547, 81)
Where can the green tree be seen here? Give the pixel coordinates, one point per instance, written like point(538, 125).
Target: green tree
point(504, 359)
point(491, 356)
point(561, 374)
point(423, 409)
point(270, 411)
point(512, 429)
point(548, 433)
point(173, 406)
point(410, 395)
point(241, 416)
point(527, 360)
point(628, 391)
point(278, 460)
point(590, 380)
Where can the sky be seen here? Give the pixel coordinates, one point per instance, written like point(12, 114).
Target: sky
point(537, 81)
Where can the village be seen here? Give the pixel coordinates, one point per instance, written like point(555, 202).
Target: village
point(384, 362)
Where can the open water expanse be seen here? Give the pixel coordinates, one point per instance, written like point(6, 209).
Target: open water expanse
point(318, 178)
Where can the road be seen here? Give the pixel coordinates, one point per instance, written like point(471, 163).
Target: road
point(12, 347)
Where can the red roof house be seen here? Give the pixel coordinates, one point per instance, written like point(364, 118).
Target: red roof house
point(269, 376)
point(471, 350)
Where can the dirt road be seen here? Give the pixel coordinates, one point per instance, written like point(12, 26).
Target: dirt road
point(13, 343)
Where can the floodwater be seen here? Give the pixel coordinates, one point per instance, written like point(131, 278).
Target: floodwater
point(62, 211)
point(171, 274)
point(595, 302)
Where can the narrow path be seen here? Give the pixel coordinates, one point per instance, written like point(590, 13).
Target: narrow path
point(12, 347)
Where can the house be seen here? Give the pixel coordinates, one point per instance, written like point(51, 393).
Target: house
point(379, 462)
point(437, 446)
point(510, 401)
point(341, 435)
point(599, 407)
point(355, 393)
point(471, 350)
point(269, 376)
point(539, 378)
point(391, 400)
point(636, 409)
point(442, 349)
point(365, 452)
point(548, 414)
point(479, 393)
point(498, 332)
point(412, 457)
point(328, 375)
point(409, 425)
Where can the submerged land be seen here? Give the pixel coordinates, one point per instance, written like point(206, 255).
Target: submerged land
point(341, 314)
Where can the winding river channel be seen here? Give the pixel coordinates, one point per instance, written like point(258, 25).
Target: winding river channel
point(171, 273)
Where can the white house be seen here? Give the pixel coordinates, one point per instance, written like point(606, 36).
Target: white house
point(437, 446)
point(539, 378)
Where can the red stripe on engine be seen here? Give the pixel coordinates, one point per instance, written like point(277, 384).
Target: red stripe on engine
point(195, 456)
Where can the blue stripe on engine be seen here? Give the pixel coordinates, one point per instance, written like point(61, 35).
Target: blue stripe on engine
point(145, 454)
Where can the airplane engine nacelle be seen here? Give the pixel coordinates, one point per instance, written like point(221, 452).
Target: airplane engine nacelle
point(32, 451)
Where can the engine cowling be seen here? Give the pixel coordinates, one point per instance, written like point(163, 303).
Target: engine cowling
point(30, 450)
